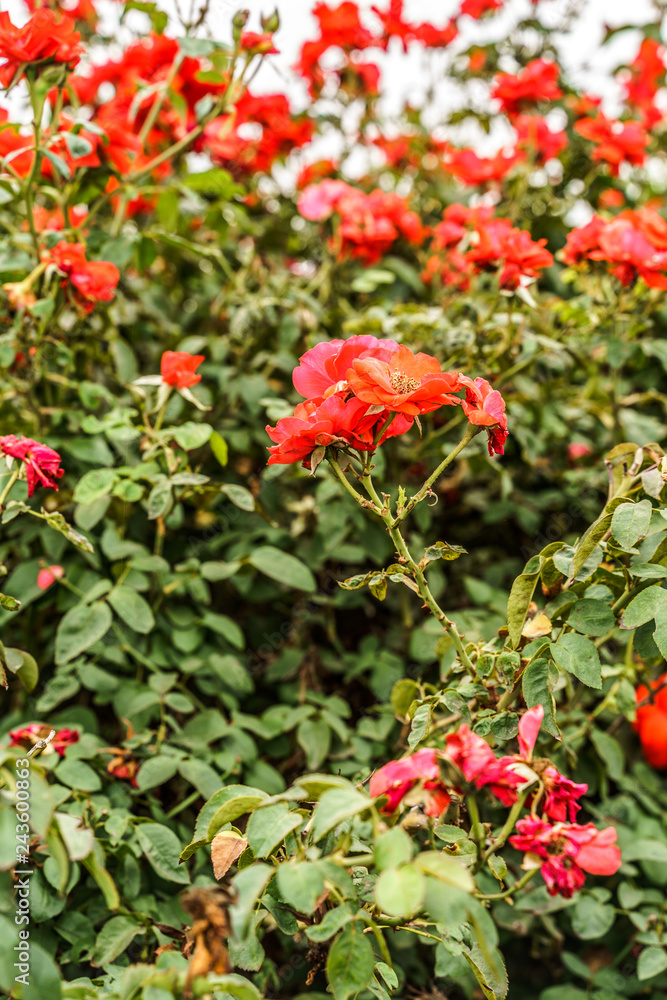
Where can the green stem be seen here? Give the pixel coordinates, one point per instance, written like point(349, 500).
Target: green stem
point(346, 484)
point(476, 828)
point(426, 488)
point(500, 840)
point(159, 101)
point(524, 880)
point(12, 479)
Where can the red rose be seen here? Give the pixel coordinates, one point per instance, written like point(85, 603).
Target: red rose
point(42, 464)
point(178, 368)
point(45, 37)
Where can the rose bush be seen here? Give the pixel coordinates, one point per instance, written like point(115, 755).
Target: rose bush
point(333, 529)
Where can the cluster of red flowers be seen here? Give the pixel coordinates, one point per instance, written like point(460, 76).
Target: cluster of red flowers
point(651, 721)
point(470, 240)
point(561, 848)
point(342, 28)
point(634, 243)
point(369, 224)
point(645, 76)
point(275, 133)
point(361, 391)
point(41, 463)
point(92, 281)
point(616, 142)
point(28, 736)
point(469, 168)
point(535, 83)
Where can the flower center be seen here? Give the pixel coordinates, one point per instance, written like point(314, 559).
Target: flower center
point(403, 383)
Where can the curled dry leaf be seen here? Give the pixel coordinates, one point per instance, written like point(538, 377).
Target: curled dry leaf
point(537, 627)
point(205, 939)
point(226, 847)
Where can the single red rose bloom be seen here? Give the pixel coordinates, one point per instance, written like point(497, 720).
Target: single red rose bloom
point(479, 765)
point(178, 368)
point(28, 736)
point(323, 369)
point(399, 777)
point(318, 424)
point(45, 37)
point(258, 44)
point(92, 280)
point(42, 464)
point(408, 383)
point(564, 852)
point(485, 407)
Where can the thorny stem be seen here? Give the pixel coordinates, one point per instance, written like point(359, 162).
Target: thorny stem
point(405, 557)
point(524, 880)
point(424, 491)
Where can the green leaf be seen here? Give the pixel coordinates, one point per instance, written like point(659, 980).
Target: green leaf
point(114, 938)
point(578, 655)
point(77, 774)
point(630, 522)
point(156, 771)
point(300, 884)
point(393, 848)
point(520, 597)
point(80, 628)
point(400, 892)
point(610, 753)
point(190, 435)
point(247, 886)
point(201, 775)
point(588, 545)
point(9, 603)
point(538, 686)
point(498, 866)
point(420, 725)
point(215, 181)
point(93, 485)
point(219, 448)
point(269, 826)
point(592, 918)
point(226, 627)
point(132, 609)
point(23, 665)
point(160, 500)
point(225, 806)
point(95, 865)
point(643, 607)
point(61, 166)
point(591, 617)
point(445, 869)
point(337, 805)
point(350, 962)
point(230, 984)
point(660, 633)
point(645, 849)
point(283, 567)
point(162, 848)
point(314, 737)
point(240, 496)
point(651, 962)
point(331, 923)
